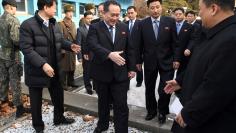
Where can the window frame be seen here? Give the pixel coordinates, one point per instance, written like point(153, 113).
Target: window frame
point(26, 9)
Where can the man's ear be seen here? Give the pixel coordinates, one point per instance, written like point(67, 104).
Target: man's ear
point(214, 9)
point(45, 8)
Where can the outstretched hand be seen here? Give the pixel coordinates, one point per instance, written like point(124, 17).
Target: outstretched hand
point(131, 74)
point(115, 57)
point(179, 119)
point(171, 86)
point(75, 48)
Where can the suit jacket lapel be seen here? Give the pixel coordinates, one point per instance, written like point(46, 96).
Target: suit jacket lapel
point(135, 25)
point(160, 28)
point(117, 35)
point(85, 30)
point(150, 27)
point(184, 26)
point(106, 31)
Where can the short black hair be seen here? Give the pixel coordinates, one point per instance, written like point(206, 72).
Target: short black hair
point(132, 7)
point(150, 1)
point(110, 2)
point(101, 4)
point(224, 4)
point(89, 6)
point(179, 9)
point(87, 13)
point(42, 3)
point(190, 12)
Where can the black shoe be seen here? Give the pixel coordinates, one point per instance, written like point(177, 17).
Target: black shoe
point(64, 121)
point(20, 110)
point(66, 88)
point(89, 91)
point(73, 85)
point(161, 118)
point(98, 130)
point(138, 84)
point(150, 116)
point(39, 131)
point(111, 106)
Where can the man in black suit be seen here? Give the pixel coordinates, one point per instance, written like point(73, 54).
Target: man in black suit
point(112, 67)
point(186, 37)
point(191, 17)
point(133, 29)
point(197, 29)
point(82, 32)
point(158, 49)
point(208, 85)
point(100, 13)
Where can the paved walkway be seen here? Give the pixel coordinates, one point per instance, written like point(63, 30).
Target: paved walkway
point(85, 104)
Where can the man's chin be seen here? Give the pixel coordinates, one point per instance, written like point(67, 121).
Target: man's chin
point(113, 24)
point(156, 16)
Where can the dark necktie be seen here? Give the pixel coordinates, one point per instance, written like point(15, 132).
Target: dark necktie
point(131, 26)
point(111, 28)
point(178, 25)
point(155, 27)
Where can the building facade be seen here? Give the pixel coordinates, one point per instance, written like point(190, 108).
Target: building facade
point(27, 8)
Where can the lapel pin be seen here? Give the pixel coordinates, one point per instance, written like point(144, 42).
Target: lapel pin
point(167, 28)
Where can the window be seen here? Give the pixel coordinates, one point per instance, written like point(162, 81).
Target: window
point(21, 6)
point(123, 11)
point(81, 8)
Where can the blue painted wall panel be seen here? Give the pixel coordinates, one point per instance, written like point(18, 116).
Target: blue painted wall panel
point(32, 7)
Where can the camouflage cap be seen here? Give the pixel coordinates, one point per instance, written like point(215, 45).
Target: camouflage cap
point(68, 8)
point(9, 2)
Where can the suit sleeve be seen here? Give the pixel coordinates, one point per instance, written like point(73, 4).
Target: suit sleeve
point(93, 44)
point(66, 45)
point(179, 78)
point(195, 36)
point(78, 37)
point(139, 44)
point(78, 41)
point(131, 53)
point(26, 46)
point(217, 89)
point(176, 46)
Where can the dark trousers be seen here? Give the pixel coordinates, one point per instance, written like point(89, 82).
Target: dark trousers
point(176, 128)
point(86, 73)
point(68, 78)
point(139, 76)
point(183, 66)
point(118, 92)
point(57, 97)
point(150, 83)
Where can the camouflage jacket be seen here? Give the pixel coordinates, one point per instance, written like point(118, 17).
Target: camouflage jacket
point(9, 37)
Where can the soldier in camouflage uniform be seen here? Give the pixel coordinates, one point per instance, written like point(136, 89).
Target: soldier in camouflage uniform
point(11, 68)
